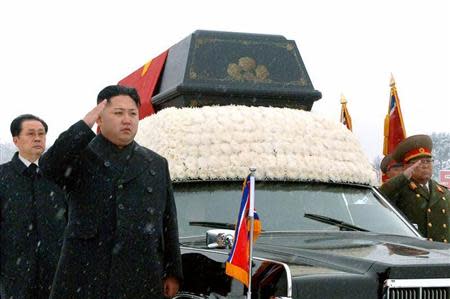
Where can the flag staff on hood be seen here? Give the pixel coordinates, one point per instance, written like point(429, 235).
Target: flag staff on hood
point(248, 228)
point(251, 219)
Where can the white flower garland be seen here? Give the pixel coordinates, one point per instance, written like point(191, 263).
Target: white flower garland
point(222, 142)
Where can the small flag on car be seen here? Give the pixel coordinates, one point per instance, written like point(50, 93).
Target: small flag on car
point(248, 228)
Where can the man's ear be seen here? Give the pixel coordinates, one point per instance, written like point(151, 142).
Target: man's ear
point(15, 140)
point(99, 122)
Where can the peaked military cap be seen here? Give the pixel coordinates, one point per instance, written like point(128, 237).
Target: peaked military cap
point(388, 162)
point(416, 146)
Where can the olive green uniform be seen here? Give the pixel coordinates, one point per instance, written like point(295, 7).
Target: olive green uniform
point(428, 209)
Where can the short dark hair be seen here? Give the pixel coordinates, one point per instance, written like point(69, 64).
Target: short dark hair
point(16, 124)
point(115, 90)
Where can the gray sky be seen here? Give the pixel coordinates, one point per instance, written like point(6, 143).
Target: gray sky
point(57, 55)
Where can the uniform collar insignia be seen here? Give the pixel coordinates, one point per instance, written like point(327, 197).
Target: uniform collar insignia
point(412, 185)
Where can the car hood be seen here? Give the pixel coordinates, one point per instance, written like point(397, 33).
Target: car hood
point(353, 252)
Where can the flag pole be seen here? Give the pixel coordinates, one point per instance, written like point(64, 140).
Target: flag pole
point(251, 218)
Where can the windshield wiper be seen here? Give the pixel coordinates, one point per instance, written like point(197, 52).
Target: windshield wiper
point(213, 224)
point(341, 224)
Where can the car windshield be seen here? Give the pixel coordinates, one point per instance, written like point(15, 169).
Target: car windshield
point(282, 206)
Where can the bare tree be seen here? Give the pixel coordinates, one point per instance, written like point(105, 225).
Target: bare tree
point(376, 166)
point(7, 150)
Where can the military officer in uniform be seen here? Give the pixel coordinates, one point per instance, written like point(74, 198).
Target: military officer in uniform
point(421, 199)
point(390, 168)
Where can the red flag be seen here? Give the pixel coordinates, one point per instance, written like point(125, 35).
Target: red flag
point(394, 129)
point(237, 264)
point(345, 115)
point(144, 80)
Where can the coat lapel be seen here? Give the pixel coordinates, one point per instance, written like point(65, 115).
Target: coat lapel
point(98, 161)
point(138, 163)
point(18, 165)
point(21, 168)
point(134, 158)
point(423, 192)
point(434, 198)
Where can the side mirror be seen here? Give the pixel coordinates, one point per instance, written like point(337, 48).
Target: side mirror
point(219, 238)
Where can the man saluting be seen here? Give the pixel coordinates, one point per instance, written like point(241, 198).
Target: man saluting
point(420, 198)
point(121, 240)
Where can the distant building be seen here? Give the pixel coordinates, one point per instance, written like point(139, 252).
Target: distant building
point(444, 177)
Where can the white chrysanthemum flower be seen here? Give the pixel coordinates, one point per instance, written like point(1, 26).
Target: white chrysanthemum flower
point(222, 142)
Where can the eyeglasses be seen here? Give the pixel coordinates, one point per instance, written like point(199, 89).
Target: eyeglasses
point(425, 161)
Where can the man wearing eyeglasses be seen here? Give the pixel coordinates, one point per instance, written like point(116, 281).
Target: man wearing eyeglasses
point(423, 201)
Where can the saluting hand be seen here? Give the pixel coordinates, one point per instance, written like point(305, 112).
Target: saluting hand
point(408, 172)
point(92, 116)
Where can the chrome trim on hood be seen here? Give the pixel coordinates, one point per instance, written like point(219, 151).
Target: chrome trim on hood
point(288, 274)
point(434, 288)
point(285, 266)
point(411, 283)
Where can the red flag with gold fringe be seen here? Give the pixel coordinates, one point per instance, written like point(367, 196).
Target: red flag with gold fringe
point(394, 129)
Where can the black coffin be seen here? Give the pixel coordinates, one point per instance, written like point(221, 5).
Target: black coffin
point(223, 68)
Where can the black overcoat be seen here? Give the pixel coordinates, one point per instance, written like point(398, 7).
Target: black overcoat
point(32, 222)
point(122, 234)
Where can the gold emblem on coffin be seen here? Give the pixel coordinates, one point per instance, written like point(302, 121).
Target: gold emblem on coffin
point(246, 69)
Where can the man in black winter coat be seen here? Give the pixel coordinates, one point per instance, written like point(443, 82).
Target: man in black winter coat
point(121, 240)
point(32, 216)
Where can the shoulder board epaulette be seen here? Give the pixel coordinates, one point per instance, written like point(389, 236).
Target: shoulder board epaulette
point(412, 186)
point(441, 188)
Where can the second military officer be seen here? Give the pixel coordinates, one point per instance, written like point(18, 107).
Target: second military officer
point(390, 168)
